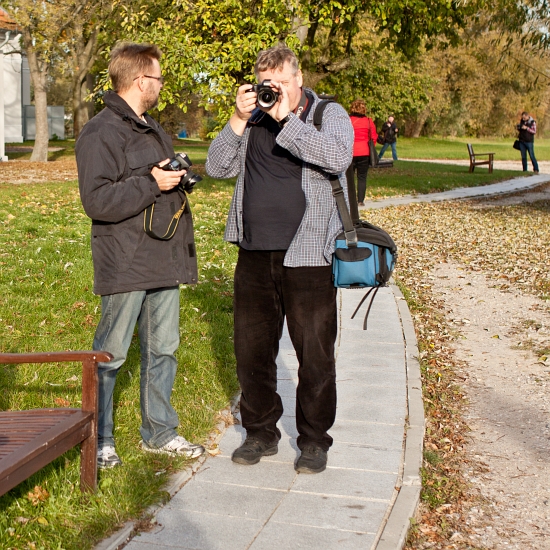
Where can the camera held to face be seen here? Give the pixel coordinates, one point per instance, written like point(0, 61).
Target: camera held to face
point(182, 162)
point(267, 96)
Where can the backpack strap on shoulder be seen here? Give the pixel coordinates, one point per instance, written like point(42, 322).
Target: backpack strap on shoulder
point(318, 114)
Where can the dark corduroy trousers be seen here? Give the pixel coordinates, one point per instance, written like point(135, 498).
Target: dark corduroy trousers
point(266, 292)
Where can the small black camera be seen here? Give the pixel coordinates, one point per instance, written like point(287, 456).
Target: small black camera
point(267, 96)
point(182, 162)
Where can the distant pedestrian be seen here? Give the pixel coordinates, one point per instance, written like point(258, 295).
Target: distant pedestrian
point(390, 131)
point(364, 130)
point(527, 129)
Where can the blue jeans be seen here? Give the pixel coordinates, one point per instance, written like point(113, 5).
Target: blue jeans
point(157, 313)
point(393, 150)
point(524, 147)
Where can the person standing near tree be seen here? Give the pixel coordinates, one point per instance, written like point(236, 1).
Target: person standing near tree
point(284, 219)
point(364, 130)
point(119, 155)
point(390, 131)
point(527, 129)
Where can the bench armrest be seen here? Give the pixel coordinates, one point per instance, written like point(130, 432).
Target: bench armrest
point(55, 357)
point(89, 360)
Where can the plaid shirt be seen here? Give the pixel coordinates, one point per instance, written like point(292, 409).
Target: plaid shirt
point(324, 152)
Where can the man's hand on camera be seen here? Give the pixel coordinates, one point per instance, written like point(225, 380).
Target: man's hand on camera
point(166, 179)
point(282, 106)
point(244, 105)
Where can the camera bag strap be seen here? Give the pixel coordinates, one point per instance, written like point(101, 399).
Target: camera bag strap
point(350, 222)
point(172, 226)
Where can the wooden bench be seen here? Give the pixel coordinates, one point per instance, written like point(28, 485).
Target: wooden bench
point(474, 162)
point(29, 440)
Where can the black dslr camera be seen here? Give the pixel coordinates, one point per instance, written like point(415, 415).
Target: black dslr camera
point(182, 162)
point(267, 96)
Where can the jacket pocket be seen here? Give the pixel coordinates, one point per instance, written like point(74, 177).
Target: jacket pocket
point(143, 158)
point(113, 248)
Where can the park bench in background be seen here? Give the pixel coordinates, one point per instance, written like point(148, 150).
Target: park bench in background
point(29, 440)
point(474, 156)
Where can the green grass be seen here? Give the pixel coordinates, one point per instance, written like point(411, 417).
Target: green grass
point(46, 303)
point(455, 148)
point(413, 148)
point(196, 149)
point(408, 177)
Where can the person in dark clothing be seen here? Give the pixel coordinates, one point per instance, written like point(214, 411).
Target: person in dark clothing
point(390, 131)
point(527, 129)
point(119, 154)
point(285, 220)
point(364, 130)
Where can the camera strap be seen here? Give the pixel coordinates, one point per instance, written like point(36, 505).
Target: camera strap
point(172, 226)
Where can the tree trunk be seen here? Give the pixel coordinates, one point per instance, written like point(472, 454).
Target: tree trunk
point(83, 57)
point(80, 107)
point(415, 126)
point(39, 75)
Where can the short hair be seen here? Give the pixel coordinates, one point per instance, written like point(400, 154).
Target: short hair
point(358, 107)
point(129, 60)
point(275, 58)
point(524, 113)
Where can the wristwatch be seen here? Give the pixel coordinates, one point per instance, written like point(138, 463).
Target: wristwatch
point(283, 121)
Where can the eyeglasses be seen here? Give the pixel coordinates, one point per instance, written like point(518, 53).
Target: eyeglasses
point(159, 78)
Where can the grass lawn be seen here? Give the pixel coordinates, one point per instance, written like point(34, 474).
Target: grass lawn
point(46, 304)
point(60, 149)
point(427, 177)
point(455, 148)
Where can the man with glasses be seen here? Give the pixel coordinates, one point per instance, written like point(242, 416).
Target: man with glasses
point(119, 155)
point(285, 220)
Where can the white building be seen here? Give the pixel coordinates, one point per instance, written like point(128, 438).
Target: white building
point(14, 84)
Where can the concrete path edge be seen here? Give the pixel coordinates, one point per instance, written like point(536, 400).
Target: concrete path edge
point(176, 481)
point(394, 534)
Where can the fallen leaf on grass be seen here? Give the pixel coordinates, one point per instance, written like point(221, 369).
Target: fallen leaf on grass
point(61, 402)
point(38, 495)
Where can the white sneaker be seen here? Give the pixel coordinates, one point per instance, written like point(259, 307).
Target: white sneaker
point(178, 446)
point(107, 458)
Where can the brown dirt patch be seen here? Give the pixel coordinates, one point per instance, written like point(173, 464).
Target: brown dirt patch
point(24, 171)
point(506, 376)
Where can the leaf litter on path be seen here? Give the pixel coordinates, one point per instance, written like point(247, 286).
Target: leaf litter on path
point(483, 485)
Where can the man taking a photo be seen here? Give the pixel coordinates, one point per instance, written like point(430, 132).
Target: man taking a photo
point(285, 220)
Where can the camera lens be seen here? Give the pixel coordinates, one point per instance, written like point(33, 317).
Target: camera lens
point(267, 97)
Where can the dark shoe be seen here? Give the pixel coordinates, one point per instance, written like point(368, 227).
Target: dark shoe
point(313, 460)
point(252, 450)
point(536, 171)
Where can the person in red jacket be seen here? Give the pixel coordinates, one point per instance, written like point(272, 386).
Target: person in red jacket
point(364, 130)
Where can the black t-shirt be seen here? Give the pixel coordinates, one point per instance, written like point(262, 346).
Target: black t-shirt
point(274, 202)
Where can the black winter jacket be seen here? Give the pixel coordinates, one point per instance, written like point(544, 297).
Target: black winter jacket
point(525, 135)
point(389, 131)
point(115, 153)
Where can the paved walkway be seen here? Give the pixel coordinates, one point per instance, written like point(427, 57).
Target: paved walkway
point(502, 188)
point(371, 487)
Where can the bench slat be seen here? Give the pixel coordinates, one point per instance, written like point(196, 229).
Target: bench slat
point(57, 431)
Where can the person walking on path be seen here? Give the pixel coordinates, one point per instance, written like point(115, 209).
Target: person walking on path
point(118, 155)
point(285, 220)
point(390, 131)
point(364, 130)
point(527, 129)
